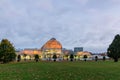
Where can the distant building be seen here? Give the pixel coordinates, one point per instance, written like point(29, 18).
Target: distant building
point(100, 55)
point(29, 53)
point(50, 48)
point(67, 51)
point(78, 49)
point(46, 52)
point(81, 54)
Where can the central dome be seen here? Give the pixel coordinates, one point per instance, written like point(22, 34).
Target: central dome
point(52, 44)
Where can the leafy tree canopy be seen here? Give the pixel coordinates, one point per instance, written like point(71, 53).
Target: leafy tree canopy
point(7, 51)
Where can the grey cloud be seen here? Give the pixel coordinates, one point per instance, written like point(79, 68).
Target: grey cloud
point(29, 24)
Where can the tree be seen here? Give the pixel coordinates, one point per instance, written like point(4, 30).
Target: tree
point(54, 57)
point(7, 51)
point(96, 58)
point(18, 58)
point(114, 48)
point(104, 58)
point(71, 57)
point(36, 57)
point(85, 57)
point(24, 56)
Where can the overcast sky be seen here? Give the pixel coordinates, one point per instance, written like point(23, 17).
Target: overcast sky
point(91, 24)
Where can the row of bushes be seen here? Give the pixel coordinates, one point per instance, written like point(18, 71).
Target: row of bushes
point(36, 58)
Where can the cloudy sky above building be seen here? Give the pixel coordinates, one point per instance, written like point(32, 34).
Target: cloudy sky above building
point(91, 24)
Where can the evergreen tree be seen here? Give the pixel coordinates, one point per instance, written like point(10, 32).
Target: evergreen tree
point(71, 57)
point(36, 58)
point(85, 57)
point(54, 57)
point(18, 58)
point(114, 48)
point(96, 58)
point(7, 51)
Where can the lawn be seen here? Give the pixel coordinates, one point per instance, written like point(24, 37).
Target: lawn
point(79, 70)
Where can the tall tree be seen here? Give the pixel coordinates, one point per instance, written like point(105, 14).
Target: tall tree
point(7, 51)
point(114, 48)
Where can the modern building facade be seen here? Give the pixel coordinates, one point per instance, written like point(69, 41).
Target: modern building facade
point(78, 49)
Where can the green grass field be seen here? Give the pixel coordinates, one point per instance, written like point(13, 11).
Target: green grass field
point(79, 70)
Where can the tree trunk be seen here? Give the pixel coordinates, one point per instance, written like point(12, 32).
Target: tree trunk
point(116, 60)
